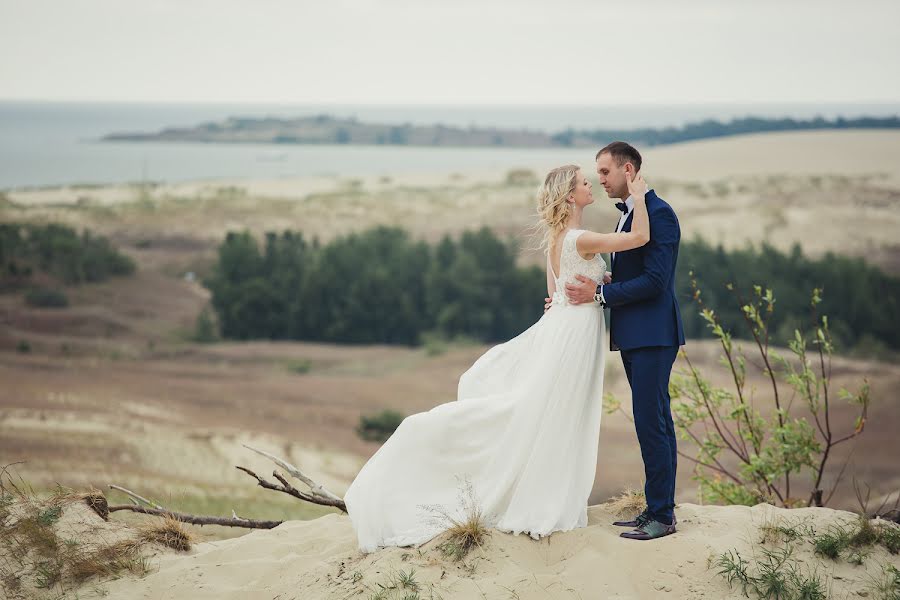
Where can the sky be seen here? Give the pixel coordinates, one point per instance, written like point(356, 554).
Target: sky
point(450, 52)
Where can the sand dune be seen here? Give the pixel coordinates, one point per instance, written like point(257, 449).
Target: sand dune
point(318, 559)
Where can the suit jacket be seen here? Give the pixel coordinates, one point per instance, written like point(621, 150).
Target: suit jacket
point(643, 308)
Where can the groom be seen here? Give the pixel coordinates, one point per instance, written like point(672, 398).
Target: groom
point(645, 325)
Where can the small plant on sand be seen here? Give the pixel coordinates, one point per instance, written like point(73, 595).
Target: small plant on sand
point(168, 532)
point(886, 586)
point(463, 533)
point(833, 542)
point(728, 427)
point(853, 539)
point(775, 574)
point(629, 503)
point(779, 530)
point(889, 536)
point(400, 586)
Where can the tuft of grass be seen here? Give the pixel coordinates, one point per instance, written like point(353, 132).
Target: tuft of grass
point(858, 557)
point(463, 537)
point(773, 580)
point(733, 568)
point(630, 502)
point(109, 561)
point(168, 532)
point(855, 537)
point(50, 515)
point(399, 586)
point(36, 557)
point(462, 534)
point(810, 586)
point(775, 575)
point(889, 536)
point(778, 530)
point(865, 534)
point(408, 580)
point(887, 585)
point(833, 542)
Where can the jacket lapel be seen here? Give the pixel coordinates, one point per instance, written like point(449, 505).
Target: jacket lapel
point(626, 226)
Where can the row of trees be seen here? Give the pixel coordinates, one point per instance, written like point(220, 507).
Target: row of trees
point(380, 286)
point(59, 251)
point(711, 128)
point(862, 301)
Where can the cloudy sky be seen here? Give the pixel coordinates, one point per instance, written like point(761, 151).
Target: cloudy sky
point(451, 51)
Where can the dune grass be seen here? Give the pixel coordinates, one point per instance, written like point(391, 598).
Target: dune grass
point(629, 503)
point(43, 552)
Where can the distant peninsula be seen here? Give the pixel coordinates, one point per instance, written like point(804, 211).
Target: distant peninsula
point(325, 129)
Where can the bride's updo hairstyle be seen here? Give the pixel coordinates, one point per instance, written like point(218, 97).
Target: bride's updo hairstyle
point(553, 208)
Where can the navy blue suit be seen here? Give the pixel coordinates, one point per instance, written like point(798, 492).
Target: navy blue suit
point(645, 325)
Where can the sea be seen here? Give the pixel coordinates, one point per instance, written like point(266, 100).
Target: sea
point(58, 143)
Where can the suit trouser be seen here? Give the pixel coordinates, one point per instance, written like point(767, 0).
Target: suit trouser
point(648, 370)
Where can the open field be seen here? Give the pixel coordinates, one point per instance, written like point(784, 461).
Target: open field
point(112, 391)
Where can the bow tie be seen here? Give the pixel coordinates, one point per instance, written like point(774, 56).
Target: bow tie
point(622, 206)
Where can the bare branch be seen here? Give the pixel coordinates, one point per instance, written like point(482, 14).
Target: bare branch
point(316, 488)
point(290, 490)
point(199, 520)
point(136, 497)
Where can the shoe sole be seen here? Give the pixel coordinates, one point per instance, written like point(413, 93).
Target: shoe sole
point(644, 539)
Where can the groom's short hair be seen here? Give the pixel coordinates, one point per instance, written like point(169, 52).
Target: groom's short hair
point(622, 152)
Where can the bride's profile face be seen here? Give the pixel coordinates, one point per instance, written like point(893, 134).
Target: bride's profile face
point(583, 194)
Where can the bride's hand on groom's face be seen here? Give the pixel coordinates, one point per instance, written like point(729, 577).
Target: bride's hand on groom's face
point(581, 292)
point(636, 187)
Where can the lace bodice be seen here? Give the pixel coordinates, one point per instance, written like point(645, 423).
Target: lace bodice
point(571, 264)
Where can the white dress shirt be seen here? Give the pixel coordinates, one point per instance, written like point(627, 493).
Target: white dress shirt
point(629, 205)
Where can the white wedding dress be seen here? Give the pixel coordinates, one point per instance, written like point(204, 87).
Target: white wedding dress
point(523, 433)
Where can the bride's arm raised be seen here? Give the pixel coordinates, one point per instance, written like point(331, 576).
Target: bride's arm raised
point(591, 242)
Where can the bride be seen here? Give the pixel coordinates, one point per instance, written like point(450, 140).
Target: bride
point(523, 432)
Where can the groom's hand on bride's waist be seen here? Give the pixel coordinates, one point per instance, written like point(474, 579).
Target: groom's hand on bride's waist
point(581, 292)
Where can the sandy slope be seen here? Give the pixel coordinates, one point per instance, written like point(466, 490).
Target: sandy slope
point(318, 559)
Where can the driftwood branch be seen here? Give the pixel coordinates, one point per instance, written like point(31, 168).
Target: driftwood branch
point(317, 495)
point(160, 511)
point(135, 498)
point(290, 490)
point(318, 490)
point(232, 521)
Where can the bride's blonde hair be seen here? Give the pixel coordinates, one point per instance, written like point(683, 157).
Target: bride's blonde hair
point(553, 207)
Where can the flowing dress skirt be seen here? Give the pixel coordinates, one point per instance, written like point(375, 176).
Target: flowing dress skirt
point(523, 433)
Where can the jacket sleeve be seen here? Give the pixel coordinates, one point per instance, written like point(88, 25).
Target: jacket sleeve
point(658, 264)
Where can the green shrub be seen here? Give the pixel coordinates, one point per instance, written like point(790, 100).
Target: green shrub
point(46, 298)
point(300, 366)
point(380, 426)
point(60, 251)
point(205, 329)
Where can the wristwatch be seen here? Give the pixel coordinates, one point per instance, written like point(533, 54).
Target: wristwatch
point(598, 298)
